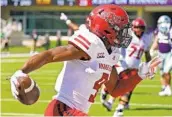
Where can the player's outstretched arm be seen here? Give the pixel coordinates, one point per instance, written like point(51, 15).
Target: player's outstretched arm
point(69, 23)
point(154, 46)
point(58, 54)
point(118, 86)
point(73, 26)
point(126, 81)
point(62, 53)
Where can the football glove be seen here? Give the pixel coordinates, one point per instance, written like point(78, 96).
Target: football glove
point(14, 82)
point(63, 17)
point(147, 70)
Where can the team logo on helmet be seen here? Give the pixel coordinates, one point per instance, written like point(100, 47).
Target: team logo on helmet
point(111, 18)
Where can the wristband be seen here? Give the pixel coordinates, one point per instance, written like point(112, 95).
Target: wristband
point(68, 22)
point(19, 72)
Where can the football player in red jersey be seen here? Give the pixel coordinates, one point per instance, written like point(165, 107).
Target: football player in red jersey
point(88, 63)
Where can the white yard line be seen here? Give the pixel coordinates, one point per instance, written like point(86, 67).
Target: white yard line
point(51, 84)
point(41, 115)
point(8, 55)
point(98, 103)
point(35, 72)
point(13, 100)
point(13, 60)
point(45, 84)
point(48, 72)
point(21, 114)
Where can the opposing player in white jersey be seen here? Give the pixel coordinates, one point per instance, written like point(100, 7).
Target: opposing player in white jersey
point(89, 58)
point(162, 43)
point(131, 58)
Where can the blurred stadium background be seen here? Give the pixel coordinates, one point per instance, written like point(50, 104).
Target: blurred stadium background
point(19, 18)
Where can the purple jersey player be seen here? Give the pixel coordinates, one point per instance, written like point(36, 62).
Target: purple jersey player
point(162, 43)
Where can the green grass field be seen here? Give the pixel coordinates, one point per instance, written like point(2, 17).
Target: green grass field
point(144, 102)
point(21, 49)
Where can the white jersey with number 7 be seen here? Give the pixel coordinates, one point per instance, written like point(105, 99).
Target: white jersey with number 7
point(82, 79)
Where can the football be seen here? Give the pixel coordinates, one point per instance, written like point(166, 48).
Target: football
point(28, 90)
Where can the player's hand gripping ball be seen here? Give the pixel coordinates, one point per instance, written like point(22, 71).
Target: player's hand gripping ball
point(28, 90)
point(24, 89)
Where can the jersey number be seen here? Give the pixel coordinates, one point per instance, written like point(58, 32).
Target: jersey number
point(139, 54)
point(97, 85)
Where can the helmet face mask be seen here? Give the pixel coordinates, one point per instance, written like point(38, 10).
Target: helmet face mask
point(164, 23)
point(164, 27)
point(110, 23)
point(124, 37)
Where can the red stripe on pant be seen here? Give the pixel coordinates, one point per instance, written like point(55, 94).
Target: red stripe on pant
point(57, 108)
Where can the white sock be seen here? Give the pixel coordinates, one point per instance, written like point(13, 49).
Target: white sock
point(163, 86)
point(120, 106)
point(168, 87)
point(111, 99)
point(103, 92)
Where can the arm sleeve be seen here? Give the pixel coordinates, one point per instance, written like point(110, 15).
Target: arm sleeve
point(124, 85)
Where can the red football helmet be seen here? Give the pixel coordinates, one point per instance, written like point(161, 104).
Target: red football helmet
point(138, 26)
point(111, 24)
